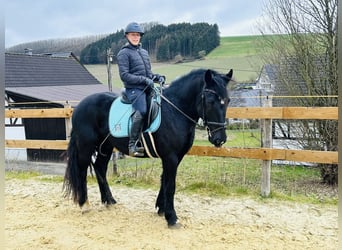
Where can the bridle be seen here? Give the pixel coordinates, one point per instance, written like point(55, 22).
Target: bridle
point(206, 122)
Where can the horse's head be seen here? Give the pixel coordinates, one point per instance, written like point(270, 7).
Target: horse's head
point(213, 106)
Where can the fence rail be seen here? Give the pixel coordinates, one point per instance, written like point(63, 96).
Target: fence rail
point(314, 156)
point(323, 113)
point(39, 113)
point(292, 113)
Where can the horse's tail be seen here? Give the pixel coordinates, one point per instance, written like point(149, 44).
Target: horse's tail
point(71, 181)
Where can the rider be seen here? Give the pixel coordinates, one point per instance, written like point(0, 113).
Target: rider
point(135, 72)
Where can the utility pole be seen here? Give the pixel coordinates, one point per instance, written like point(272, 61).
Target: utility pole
point(109, 68)
point(109, 72)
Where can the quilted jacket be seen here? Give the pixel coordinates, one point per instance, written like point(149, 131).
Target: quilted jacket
point(134, 66)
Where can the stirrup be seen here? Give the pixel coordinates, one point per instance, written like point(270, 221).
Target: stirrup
point(136, 153)
point(139, 149)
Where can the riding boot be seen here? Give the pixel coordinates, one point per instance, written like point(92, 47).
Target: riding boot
point(137, 123)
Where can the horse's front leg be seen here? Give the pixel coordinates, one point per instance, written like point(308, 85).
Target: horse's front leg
point(160, 203)
point(101, 166)
point(168, 189)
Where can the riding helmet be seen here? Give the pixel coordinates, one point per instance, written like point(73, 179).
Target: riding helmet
point(134, 27)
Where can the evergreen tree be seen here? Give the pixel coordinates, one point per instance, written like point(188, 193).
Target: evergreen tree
point(164, 43)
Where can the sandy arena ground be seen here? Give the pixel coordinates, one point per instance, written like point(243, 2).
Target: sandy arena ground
point(38, 217)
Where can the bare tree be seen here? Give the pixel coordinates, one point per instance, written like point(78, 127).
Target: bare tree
point(75, 45)
point(305, 55)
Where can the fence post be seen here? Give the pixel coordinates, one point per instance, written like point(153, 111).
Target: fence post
point(68, 124)
point(266, 141)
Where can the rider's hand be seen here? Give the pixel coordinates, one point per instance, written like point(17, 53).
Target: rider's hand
point(149, 82)
point(162, 79)
point(158, 78)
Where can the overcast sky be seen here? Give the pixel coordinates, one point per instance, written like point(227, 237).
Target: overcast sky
point(27, 21)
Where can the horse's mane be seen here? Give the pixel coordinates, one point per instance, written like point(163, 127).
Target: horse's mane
point(187, 77)
point(185, 83)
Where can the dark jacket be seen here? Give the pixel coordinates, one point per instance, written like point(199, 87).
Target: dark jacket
point(134, 66)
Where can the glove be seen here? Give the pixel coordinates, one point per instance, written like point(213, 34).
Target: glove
point(149, 82)
point(162, 79)
point(159, 78)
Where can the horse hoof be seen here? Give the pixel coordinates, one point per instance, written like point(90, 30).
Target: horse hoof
point(175, 226)
point(161, 213)
point(109, 204)
point(86, 207)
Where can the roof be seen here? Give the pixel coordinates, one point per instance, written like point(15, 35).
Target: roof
point(23, 70)
point(49, 77)
point(71, 94)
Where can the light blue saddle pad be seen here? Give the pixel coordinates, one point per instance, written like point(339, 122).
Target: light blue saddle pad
point(120, 118)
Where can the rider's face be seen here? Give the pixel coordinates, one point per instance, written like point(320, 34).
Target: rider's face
point(133, 38)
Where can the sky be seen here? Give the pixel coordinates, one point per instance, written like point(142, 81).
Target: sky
point(34, 20)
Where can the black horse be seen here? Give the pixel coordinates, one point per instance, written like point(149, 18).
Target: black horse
point(199, 94)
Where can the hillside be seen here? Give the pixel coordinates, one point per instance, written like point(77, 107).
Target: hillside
point(239, 53)
point(75, 45)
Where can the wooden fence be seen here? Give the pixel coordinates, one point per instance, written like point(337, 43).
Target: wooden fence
point(322, 113)
point(264, 153)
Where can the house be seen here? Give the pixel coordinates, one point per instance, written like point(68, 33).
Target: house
point(46, 81)
point(269, 79)
point(286, 132)
point(245, 95)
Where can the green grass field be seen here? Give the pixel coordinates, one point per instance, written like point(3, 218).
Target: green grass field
point(237, 53)
point(236, 46)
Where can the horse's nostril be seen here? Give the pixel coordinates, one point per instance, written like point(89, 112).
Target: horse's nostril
point(217, 143)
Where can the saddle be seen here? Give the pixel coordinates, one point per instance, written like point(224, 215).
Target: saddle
point(121, 111)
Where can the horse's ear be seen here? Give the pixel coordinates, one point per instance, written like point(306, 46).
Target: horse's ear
point(229, 75)
point(208, 76)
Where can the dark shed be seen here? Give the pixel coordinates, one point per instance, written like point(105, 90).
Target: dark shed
point(47, 81)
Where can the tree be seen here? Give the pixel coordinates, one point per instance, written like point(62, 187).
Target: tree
point(162, 42)
point(305, 53)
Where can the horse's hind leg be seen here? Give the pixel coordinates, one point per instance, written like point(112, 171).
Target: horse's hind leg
point(101, 166)
point(82, 177)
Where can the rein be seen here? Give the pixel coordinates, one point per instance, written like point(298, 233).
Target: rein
point(206, 122)
point(178, 109)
